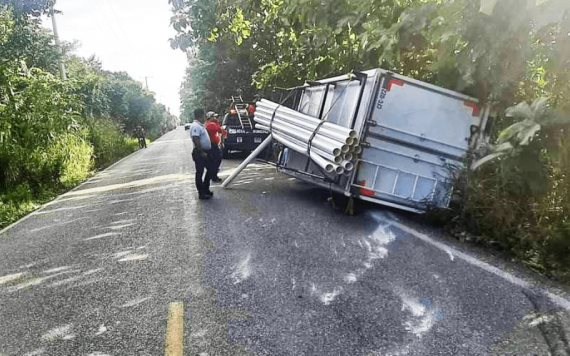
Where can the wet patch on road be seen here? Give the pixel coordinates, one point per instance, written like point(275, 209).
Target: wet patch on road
point(135, 302)
point(12, 277)
point(242, 270)
point(64, 332)
point(101, 236)
point(134, 257)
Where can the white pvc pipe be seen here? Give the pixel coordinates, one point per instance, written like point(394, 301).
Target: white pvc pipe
point(283, 109)
point(249, 158)
point(347, 157)
point(347, 165)
point(342, 140)
point(327, 156)
point(323, 143)
point(336, 152)
point(335, 159)
point(336, 149)
point(320, 161)
point(294, 130)
point(323, 130)
point(356, 149)
point(304, 137)
point(272, 106)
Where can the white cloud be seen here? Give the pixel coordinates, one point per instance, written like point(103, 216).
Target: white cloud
point(127, 35)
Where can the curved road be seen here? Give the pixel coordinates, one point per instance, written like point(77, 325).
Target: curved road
point(132, 258)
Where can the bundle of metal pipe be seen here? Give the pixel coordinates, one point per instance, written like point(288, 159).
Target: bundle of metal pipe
point(332, 147)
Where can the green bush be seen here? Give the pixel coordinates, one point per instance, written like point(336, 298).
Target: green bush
point(521, 204)
point(74, 159)
point(63, 162)
point(18, 202)
point(109, 143)
point(11, 211)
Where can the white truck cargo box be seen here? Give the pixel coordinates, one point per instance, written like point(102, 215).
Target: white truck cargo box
point(414, 136)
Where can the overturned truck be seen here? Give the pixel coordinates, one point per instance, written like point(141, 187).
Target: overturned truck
point(405, 139)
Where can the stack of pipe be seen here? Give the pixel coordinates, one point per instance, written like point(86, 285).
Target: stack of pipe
point(334, 148)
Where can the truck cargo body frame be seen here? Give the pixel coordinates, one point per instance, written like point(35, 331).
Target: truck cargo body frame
point(414, 135)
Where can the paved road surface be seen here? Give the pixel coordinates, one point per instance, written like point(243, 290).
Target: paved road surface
point(266, 268)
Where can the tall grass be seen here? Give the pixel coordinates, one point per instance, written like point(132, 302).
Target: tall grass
point(109, 143)
point(521, 204)
point(68, 159)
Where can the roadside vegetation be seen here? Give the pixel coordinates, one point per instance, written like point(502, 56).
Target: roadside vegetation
point(54, 133)
point(512, 54)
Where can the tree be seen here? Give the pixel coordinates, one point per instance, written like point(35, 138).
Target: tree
point(502, 52)
point(28, 8)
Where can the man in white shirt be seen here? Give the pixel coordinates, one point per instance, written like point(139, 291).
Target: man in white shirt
point(202, 146)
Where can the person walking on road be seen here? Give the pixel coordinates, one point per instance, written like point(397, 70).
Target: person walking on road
point(202, 147)
point(214, 131)
point(141, 137)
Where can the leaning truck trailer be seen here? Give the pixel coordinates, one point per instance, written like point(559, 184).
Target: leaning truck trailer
point(399, 141)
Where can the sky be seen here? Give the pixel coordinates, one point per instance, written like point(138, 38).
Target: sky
point(127, 35)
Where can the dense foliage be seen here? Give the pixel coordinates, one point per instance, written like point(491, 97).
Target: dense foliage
point(53, 133)
point(503, 52)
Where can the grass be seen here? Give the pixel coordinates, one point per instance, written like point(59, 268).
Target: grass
point(21, 200)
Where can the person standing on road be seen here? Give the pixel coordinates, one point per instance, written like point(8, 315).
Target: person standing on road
point(214, 131)
point(202, 147)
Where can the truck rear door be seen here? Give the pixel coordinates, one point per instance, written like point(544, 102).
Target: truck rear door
point(419, 135)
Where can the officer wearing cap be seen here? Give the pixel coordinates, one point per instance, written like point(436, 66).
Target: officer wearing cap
point(200, 155)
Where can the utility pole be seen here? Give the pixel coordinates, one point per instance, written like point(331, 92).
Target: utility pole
point(62, 71)
point(146, 82)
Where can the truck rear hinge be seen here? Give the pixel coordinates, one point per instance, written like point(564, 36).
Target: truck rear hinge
point(372, 122)
point(364, 144)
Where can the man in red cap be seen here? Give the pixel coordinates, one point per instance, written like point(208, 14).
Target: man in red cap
point(215, 131)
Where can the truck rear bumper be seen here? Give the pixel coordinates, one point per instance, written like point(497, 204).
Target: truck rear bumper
point(407, 205)
point(240, 146)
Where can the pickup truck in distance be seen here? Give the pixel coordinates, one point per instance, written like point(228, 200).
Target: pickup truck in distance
point(241, 133)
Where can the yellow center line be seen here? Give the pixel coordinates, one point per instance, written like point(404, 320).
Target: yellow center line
point(175, 330)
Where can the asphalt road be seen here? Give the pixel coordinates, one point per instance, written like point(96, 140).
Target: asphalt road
point(265, 268)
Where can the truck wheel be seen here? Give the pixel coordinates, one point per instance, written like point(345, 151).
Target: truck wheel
point(341, 202)
point(268, 153)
